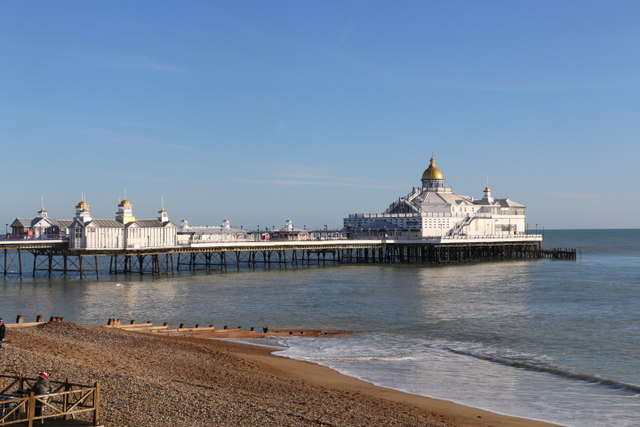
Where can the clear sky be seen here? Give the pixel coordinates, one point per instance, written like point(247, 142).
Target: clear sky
point(259, 111)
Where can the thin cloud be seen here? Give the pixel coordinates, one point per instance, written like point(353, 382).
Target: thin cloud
point(345, 34)
point(281, 127)
point(299, 171)
point(131, 62)
point(499, 88)
point(135, 138)
point(292, 174)
point(151, 178)
point(563, 88)
point(140, 63)
point(580, 196)
point(317, 183)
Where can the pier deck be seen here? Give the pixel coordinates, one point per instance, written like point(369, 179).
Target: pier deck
point(54, 256)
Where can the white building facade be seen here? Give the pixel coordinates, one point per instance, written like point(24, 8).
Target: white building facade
point(435, 211)
point(123, 232)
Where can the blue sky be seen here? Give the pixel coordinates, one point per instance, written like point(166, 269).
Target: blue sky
point(262, 111)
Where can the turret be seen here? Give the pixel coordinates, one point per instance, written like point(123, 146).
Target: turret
point(125, 212)
point(42, 213)
point(432, 177)
point(82, 212)
point(288, 224)
point(487, 196)
point(163, 217)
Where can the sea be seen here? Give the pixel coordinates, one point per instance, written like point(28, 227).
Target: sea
point(557, 341)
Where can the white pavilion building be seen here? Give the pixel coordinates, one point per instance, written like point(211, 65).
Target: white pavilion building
point(123, 232)
point(434, 211)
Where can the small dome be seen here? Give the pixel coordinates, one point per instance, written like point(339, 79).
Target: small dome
point(83, 205)
point(43, 210)
point(432, 171)
point(125, 202)
point(487, 190)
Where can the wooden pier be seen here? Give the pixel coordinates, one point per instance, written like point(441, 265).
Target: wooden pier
point(54, 258)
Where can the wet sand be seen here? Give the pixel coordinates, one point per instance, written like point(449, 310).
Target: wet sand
point(168, 381)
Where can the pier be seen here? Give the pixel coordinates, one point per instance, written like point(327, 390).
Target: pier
point(55, 257)
point(430, 225)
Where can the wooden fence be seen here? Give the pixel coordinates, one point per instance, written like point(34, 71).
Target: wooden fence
point(66, 401)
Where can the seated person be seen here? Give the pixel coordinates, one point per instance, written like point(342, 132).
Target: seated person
point(42, 386)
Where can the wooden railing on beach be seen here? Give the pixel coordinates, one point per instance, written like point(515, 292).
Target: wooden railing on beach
point(66, 400)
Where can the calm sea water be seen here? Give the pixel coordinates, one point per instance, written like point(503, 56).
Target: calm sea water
point(551, 340)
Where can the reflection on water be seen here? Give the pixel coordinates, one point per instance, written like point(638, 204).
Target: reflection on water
point(473, 291)
point(362, 297)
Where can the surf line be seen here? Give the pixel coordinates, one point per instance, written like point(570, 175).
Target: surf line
point(550, 370)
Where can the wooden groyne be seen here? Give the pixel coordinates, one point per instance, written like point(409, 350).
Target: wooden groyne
point(21, 323)
point(225, 332)
point(198, 330)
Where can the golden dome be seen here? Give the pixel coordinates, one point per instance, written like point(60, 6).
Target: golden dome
point(432, 171)
point(83, 205)
point(125, 202)
point(487, 189)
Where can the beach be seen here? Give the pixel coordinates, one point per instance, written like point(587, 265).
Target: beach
point(167, 381)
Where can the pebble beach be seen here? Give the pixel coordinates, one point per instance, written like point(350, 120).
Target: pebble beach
point(184, 381)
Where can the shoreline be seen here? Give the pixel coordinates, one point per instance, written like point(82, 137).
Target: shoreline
point(218, 382)
point(459, 414)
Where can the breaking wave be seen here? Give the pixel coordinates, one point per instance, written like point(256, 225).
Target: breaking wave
point(539, 367)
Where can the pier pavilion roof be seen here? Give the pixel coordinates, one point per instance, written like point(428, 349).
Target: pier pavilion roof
point(22, 222)
point(210, 229)
point(508, 203)
point(149, 223)
point(105, 223)
point(62, 222)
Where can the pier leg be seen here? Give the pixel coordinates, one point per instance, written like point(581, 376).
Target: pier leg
point(155, 265)
point(50, 263)
point(33, 272)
